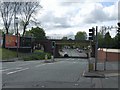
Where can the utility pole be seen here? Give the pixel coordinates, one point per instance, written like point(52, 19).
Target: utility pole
point(53, 47)
point(16, 22)
point(96, 48)
point(118, 34)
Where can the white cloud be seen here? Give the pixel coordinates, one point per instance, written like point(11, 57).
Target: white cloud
point(75, 16)
point(65, 16)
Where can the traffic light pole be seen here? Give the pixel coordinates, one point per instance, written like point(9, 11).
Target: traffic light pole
point(53, 47)
point(96, 48)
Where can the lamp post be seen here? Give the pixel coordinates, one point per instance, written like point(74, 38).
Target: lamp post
point(16, 23)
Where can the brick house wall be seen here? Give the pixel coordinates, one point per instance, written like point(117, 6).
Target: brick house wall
point(111, 56)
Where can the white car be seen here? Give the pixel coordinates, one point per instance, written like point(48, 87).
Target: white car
point(66, 54)
point(79, 50)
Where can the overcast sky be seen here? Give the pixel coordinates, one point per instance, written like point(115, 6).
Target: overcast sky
point(67, 17)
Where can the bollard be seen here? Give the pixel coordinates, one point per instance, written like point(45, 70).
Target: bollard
point(46, 57)
point(52, 58)
point(91, 63)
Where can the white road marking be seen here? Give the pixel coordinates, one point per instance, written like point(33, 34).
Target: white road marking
point(50, 63)
point(112, 74)
point(74, 62)
point(43, 64)
point(2, 68)
point(68, 59)
point(83, 73)
point(40, 65)
point(10, 69)
point(17, 71)
point(5, 70)
point(23, 64)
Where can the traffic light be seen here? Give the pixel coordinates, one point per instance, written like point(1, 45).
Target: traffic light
point(118, 27)
point(53, 44)
point(91, 34)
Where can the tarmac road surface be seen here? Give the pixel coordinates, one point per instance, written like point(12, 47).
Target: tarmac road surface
point(64, 73)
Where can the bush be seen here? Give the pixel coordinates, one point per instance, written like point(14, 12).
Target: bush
point(37, 55)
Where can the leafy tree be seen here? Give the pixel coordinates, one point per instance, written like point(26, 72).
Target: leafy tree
point(100, 40)
point(81, 36)
point(1, 33)
point(64, 38)
point(28, 33)
point(107, 40)
point(37, 32)
point(117, 41)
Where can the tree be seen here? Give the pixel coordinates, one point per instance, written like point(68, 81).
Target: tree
point(64, 38)
point(7, 9)
point(107, 40)
point(29, 8)
point(28, 33)
point(100, 40)
point(81, 36)
point(1, 33)
point(25, 10)
point(17, 10)
point(37, 32)
point(117, 41)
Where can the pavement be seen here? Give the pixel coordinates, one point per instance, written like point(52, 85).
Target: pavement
point(106, 75)
point(10, 60)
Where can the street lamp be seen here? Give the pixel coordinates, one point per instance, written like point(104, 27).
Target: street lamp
point(16, 24)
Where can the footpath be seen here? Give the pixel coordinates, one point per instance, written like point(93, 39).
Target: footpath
point(10, 60)
point(106, 76)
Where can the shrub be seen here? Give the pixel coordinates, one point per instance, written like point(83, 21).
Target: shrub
point(37, 55)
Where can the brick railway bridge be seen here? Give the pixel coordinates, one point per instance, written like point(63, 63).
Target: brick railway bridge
point(47, 44)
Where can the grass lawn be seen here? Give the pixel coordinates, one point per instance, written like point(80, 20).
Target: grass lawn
point(8, 54)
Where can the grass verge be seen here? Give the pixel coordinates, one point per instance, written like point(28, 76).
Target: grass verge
point(6, 54)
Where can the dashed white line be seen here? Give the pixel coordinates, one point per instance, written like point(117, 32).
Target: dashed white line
point(3, 67)
point(83, 73)
point(50, 63)
point(112, 74)
point(17, 71)
point(23, 64)
point(43, 64)
point(74, 62)
point(40, 65)
point(10, 69)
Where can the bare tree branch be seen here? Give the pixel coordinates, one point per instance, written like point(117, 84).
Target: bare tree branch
point(28, 10)
point(6, 9)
